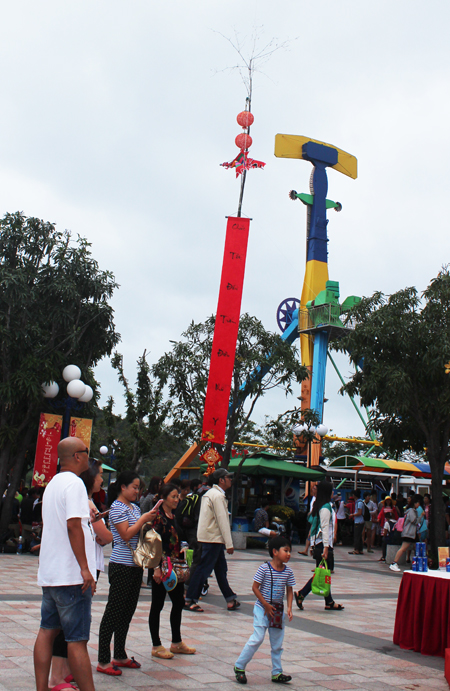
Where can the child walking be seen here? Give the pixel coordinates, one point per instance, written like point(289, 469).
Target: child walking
point(271, 581)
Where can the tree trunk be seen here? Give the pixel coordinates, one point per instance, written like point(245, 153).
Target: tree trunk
point(5, 455)
point(15, 478)
point(437, 528)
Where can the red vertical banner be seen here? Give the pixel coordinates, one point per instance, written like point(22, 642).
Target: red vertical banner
point(46, 459)
point(226, 331)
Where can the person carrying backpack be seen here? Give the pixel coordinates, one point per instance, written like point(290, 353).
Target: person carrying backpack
point(322, 535)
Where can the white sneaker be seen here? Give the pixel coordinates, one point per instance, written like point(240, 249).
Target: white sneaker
point(394, 567)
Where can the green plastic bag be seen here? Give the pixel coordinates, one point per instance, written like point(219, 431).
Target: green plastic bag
point(321, 584)
point(189, 556)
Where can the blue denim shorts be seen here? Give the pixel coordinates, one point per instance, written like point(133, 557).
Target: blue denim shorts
point(66, 607)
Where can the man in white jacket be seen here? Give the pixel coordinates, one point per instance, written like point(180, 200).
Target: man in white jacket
point(214, 535)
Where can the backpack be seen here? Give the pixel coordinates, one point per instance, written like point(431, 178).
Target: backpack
point(366, 512)
point(189, 511)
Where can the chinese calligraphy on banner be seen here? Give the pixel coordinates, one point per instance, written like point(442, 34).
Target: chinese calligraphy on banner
point(226, 330)
point(46, 459)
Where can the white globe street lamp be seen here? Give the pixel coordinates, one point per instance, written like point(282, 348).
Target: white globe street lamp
point(76, 388)
point(50, 390)
point(78, 393)
point(71, 372)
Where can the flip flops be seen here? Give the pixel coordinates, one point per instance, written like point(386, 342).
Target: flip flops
point(112, 671)
point(63, 685)
point(193, 607)
point(131, 663)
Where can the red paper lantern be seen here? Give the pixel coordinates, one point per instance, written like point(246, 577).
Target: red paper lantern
point(243, 141)
point(245, 119)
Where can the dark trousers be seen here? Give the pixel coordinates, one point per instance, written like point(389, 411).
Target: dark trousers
point(124, 588)
point(158, 596)
point(197, 549)
point(318, 549)
point(213, 557)
point(357, 537)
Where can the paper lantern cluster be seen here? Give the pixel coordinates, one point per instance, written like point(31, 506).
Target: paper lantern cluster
point(243, 141)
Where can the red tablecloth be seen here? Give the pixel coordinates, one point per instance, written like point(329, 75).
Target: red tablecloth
point(422, 621)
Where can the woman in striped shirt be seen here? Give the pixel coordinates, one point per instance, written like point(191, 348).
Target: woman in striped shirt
point(125, 577)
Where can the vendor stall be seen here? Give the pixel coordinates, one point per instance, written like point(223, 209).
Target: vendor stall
point(422, 621)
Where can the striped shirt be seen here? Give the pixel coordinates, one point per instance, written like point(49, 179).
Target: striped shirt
point(120, 512)
point(273, 587)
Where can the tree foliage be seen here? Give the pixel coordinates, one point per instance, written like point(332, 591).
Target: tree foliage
point(403, 342)
point(185, 371)
point(54, 311)
point(146, 412)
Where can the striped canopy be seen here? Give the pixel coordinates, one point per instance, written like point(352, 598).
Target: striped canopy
point(384, 465)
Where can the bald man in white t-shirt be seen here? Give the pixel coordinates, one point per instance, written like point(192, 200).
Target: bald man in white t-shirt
point(66, 567)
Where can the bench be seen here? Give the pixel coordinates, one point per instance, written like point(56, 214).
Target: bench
point(239, 538)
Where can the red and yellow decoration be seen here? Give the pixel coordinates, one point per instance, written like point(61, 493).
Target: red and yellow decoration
point(46, 459)
point(82, 428)
point(212, 458)
point(226, 328)
point(243, 141)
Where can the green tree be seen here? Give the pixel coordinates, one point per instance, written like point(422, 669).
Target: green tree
point(185, 370)
point(54, 311)
point(403, 342)
point(146, 412)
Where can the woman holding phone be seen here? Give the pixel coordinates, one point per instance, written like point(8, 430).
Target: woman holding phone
point(125, 577)
point(165, 525)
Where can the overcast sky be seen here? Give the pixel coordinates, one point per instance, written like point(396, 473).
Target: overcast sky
point(116, 115)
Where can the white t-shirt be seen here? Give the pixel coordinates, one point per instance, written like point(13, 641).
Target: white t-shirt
point(341, 511)
point(65, 497)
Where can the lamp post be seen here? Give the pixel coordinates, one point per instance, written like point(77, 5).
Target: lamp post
point(78, 393)
point(104, 451)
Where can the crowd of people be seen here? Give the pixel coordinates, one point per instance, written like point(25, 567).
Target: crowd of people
point(80, 519)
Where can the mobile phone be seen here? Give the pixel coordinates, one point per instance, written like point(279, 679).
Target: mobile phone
point(99, 516)
point(158, 504)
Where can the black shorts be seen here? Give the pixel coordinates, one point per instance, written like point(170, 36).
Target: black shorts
point(408, 539)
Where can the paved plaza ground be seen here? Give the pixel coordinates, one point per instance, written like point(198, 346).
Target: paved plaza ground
point(324, 651)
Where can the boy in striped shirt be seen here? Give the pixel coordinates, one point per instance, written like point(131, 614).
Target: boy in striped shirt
point(271, 581)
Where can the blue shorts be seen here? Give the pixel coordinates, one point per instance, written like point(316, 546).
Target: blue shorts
point(66, 607)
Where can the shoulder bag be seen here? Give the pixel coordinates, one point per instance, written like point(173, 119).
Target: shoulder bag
point(277, 619)
point(148, 552)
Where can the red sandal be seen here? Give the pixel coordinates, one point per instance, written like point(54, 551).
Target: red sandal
point(131, 663)
point(112, 671)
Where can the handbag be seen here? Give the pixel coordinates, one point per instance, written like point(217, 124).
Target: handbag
point(148, 552)
point(168, 575)
point(321, 584)
point(277, 618)
point(179, 566)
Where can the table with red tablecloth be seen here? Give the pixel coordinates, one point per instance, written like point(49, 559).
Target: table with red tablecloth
point(422, 621)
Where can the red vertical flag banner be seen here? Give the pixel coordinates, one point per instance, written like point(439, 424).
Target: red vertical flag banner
point(46, 459)
point(226, 331)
